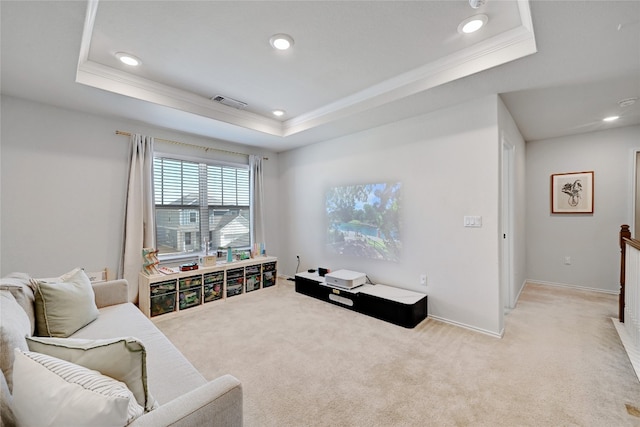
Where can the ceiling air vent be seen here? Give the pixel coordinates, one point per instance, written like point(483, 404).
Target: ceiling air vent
point(229, 102)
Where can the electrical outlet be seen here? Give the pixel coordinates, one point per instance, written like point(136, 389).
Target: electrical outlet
point(423, 279)
point(97, 276)
point(567, 260)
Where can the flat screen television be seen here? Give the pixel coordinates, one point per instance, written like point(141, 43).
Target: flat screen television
point(364, 220)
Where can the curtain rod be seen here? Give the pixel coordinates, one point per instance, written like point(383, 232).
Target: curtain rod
point(235, 153)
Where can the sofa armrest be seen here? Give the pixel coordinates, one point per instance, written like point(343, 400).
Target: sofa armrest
point(111, 292)
point(216, 403)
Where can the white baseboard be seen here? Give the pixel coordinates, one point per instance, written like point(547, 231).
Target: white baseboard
point(515, 301)
point(520, 293)
point(632, 351)
point(565, 285)
point(465, 326)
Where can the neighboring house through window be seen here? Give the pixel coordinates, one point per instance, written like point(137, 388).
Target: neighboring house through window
point(187, 191)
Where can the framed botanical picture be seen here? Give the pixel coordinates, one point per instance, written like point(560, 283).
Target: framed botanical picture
point(572, 193)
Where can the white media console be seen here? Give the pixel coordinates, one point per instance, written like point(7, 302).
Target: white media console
point(399, 306)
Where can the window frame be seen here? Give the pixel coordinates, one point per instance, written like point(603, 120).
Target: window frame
point(194, 256)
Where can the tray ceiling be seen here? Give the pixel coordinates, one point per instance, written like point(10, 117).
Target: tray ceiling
point(348, 57)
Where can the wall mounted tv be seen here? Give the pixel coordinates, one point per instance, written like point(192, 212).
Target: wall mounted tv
point(364, 220)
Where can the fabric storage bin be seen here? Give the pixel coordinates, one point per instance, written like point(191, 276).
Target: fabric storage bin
point(235, 281)
point(268, 274)
point(190, 297)
point(252, 274)
point(213, 285)
point(189, 282)
point(162, 303)
point(269, 279)
point(163, 287)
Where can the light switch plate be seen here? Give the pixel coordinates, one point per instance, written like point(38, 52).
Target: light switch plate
point(473, 221)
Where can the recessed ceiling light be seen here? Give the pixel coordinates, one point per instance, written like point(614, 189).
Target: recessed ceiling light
point(476, 4)
point(472, 24)
point(278, 113)
point(281, 41)
point(127, 58)
point(628, 102)
point(610, 118)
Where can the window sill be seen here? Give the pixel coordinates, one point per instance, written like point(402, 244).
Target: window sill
point(168, 260)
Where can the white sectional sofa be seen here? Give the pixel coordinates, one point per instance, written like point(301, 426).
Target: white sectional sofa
point(183, 397)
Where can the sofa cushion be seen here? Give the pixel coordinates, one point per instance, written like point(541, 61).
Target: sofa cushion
point(49, 391)
point(63, 306)
point(18, 285)
point(169, 373)
point(14, 327)
point(123, 359)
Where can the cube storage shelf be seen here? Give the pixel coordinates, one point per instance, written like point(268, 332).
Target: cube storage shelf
point(160, 294)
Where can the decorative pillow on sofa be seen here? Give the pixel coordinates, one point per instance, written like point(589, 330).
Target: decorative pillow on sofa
point(54, 392)
point(14, 327)
point(63, 306)
point(123, 359)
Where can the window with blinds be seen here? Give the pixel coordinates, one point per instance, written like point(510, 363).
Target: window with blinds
point(200, 203)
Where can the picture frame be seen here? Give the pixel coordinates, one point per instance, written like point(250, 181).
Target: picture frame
point(572, 193)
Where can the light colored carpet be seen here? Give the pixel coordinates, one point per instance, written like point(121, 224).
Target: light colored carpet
point(304, 362)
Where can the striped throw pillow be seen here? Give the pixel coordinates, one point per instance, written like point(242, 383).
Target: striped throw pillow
point(53, 392)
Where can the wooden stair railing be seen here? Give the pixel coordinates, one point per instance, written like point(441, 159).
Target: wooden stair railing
point(624, 235)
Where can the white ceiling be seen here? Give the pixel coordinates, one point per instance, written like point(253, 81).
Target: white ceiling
point(560, 66)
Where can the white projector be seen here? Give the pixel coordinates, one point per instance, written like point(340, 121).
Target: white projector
point(345, 279)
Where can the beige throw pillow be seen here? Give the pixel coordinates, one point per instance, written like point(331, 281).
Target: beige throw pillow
point(54, 392)
point(63, 306)
point(123, 359)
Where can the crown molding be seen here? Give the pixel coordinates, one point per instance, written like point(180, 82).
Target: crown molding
point(97, 75)
point(110, 79)
point(500, 49)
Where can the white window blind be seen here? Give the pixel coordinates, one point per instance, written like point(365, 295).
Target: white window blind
point(198, 202)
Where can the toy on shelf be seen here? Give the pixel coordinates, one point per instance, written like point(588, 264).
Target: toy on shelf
point(166, 270)
point(150, 261)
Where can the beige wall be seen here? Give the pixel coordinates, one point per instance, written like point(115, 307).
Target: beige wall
point(591, 240)
point(63, 178)
point(448, 163)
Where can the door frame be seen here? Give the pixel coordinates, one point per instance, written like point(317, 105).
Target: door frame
point(507, 177)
